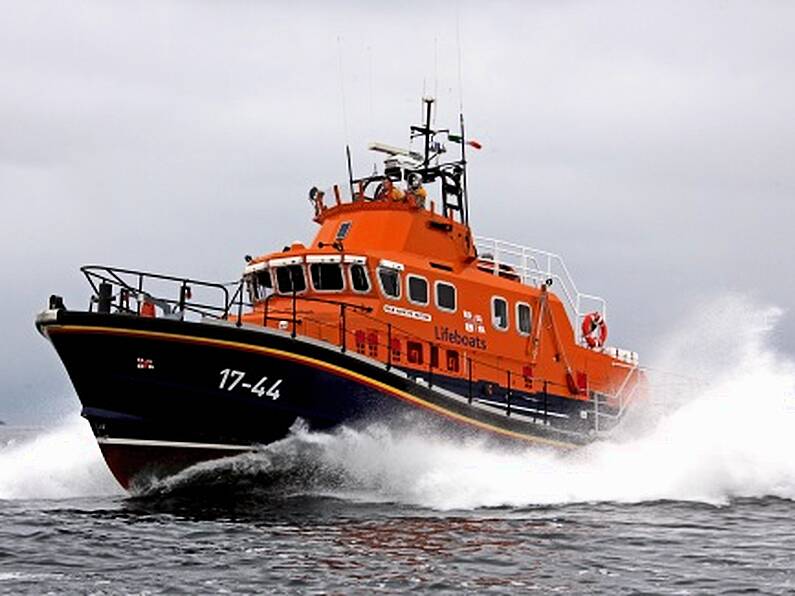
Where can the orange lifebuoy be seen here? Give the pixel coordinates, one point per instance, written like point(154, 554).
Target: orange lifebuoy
point(594, 330)
point(147, 309)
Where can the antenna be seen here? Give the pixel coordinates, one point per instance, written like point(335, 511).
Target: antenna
point(342, 91)
point(370, 83)
point(465, 202)
point(464, 193)
point(460, 60)
point(428, 109)
point(344, 116)
point(391, 150)
point(350, 170)
point(435, 73)
point(370, 92)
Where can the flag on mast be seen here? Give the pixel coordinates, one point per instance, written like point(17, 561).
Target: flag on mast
point(457, 139)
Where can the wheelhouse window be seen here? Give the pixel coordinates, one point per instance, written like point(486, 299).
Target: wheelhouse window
point(259, 284)
point(390, 282)
point(524, 318)
point(263, 279)
point(445, 296)
point(418, 290)
point(326, 277)
point(499, 313)
point(290, 278)
point(360, 282)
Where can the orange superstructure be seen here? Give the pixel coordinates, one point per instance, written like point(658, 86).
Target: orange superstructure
point(406, 285)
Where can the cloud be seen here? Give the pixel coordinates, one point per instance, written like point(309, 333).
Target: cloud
point(650, 144)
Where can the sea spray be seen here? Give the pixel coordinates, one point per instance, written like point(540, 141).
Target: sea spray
point(59, 463)
point(731, 436)
point(725, 430)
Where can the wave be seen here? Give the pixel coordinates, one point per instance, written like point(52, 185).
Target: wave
point(721, 429)
point(64, 462)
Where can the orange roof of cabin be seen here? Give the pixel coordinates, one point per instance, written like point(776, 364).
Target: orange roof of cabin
point(394, 227)
point(397, 231)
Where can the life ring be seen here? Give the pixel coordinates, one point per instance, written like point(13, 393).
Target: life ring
point(594, 330)
point(147, 309)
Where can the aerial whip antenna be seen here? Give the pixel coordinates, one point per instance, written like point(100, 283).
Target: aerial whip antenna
point(370, 92)
point(342, 91)
point(344, 116)
point(435, 74)
point(370, 84)
point(460, 60)
point(465, 201)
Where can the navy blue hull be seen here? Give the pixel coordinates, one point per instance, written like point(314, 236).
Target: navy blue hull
point(162, 394)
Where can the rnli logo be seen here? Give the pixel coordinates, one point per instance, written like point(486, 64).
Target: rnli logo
point(473, 323)
point(407, 312)
point(145, 363)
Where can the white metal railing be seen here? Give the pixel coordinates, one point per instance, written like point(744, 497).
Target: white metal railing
point(623, 395)
point(534, 267)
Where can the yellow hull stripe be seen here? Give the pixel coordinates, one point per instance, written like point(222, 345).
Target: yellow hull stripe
point(314, 363)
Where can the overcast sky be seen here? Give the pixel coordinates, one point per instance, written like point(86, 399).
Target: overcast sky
point(651, 144)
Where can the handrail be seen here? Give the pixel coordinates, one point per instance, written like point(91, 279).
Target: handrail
point(623, 386)
point(509, 372)
point(619, 396)
point(392, 329)
point(135, 288)
point(534, 267)
point(98, 274)
point(507, 391)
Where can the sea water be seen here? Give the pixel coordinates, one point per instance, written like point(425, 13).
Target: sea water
point(693, 495)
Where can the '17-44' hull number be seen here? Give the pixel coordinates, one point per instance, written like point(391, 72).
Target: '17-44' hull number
point(233, 379)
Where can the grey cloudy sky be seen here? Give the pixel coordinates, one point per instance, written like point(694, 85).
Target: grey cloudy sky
point(650, 143)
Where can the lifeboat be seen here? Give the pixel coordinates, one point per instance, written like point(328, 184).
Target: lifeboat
point(394, 312)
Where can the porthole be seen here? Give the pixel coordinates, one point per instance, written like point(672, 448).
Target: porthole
point(445, 296)
point(499, 313)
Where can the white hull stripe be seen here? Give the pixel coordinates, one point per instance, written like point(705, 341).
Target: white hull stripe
point(175, 444)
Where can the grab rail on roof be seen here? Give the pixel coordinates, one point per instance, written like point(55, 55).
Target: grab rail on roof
point(534, 267)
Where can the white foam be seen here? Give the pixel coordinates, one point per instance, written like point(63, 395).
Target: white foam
point(732, 437)
point(64, 462)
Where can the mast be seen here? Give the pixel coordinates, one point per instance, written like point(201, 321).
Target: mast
point(465, 193)
point(402, 163)
point(427, 131)
point(350, 171)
